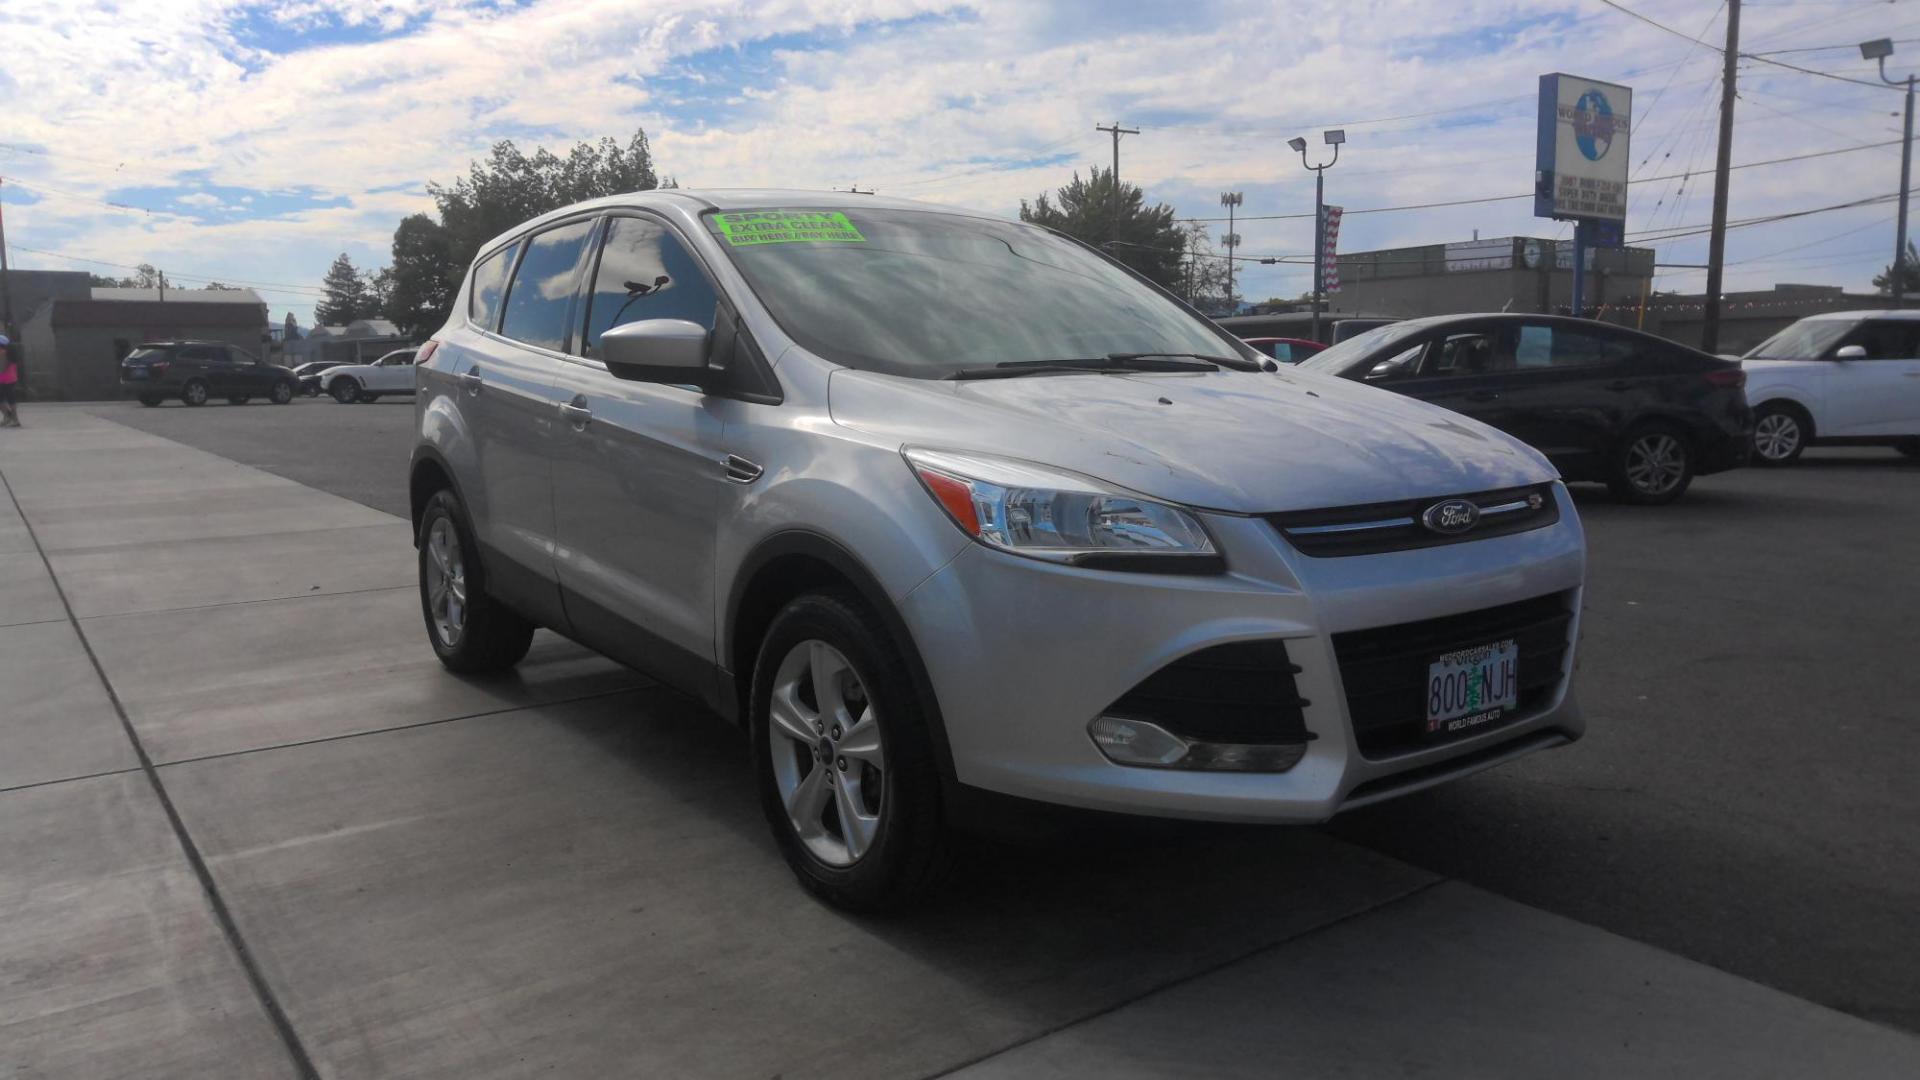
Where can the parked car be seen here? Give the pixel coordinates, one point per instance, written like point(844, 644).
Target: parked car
point(198, 371)
point(363, 383)
point(1284, 349)
point(1347, 329)
point(1278, 596)
point(1842, 378)
point(308, 375)
point(1639, 413)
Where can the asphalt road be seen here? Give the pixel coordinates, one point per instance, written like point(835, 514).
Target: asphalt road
point(1745, 795)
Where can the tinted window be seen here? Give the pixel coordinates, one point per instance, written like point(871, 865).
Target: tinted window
point(1335, 360)
point(489, 285)
point(645, 273)
point(925, 294)
point(541, 296)
point(1885, 340)
point(1473, 353)
point(195, 352)
point(1558, 347)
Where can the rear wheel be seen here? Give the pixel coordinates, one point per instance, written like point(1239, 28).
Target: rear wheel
point(194, 393)
point(1651, 466)
point(1780, 433)
point(471, 632)
point(281, 393)
point(845, 765)
point(345, 391)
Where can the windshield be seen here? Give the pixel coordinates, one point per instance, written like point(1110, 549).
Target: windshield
point(1804, 340)
point(1337, 358)
point(927, 294)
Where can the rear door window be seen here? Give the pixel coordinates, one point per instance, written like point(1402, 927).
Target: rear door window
point(1539, 347)
point(645, 273)
point(1885, 339)
point(489, 285)
point(197, 353)
point(541, 296)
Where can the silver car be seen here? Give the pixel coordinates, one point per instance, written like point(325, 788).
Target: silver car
point(938, 504)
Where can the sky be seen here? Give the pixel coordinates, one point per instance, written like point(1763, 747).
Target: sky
point(253, 141)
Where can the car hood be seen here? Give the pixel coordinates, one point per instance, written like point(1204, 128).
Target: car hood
point(1248, 442)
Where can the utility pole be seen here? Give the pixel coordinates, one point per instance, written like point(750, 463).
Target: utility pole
point(1717, 239)
point(1116, 131)
point(1880, 50)
point(1231, 200)
point(6, 282)
point(163, 286)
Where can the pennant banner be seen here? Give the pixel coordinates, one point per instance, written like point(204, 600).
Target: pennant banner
point(1329, 243)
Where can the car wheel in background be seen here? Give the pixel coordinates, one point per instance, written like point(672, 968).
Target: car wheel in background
point(281, 394)
point(1651, 465)
point(194, 393)
point(1780, 433)
point(345, 391)
point(471, 632)
point(149, 400)
point(843, 759)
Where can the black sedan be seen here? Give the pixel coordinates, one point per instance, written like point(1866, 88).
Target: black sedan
point(1639, 413)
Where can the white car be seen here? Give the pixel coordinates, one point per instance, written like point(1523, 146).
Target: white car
point(350, 383)
point(1847, 378)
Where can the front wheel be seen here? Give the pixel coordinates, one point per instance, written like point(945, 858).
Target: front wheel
point(346, 391)
point(1779, 434)
point(1651, 466)
point(471, 632)
point(281, 394)
point(844, 762)
point(194, 393)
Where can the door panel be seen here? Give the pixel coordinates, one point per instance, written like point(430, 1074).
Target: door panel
point(1460, 370)
point(1570, 393)
point(1879, 395)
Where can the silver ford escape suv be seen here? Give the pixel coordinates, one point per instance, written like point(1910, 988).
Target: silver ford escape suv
point(936, 504)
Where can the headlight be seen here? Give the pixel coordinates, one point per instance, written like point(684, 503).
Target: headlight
point(1047, 513)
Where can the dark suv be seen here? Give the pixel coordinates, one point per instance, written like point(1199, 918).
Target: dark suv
point(195, 371)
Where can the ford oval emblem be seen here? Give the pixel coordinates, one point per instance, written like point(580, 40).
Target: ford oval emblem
point(1451, 517)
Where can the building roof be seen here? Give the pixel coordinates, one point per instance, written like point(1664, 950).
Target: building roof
point(182, 296)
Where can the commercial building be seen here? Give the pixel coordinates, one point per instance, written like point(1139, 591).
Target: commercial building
point(1512, 273)
point(73, 336)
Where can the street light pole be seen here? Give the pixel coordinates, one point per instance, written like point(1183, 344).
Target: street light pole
point(1880, 50)
point(1335, 139)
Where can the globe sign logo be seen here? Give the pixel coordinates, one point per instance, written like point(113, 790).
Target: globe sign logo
point(1593, 125)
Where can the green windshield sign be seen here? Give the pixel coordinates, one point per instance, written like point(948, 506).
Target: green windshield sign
point(787, 227)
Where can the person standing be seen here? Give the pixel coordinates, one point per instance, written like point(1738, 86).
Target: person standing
point(9, 385)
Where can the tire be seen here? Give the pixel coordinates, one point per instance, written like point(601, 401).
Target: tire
point(1780, 433)
point(238, 399)
point(345, 391)
point(1652, 465)
point(194, 393)
point(484, 636)
point(904, 852)
point(368, 398)
point(150, 400)
point(281, 394)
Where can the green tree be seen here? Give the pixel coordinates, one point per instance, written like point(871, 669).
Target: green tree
point(1909, 273)
point(431, 257)
point(346, 296)
point(1145, 238)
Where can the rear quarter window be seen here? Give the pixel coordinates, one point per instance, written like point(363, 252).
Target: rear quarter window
point(489, 286)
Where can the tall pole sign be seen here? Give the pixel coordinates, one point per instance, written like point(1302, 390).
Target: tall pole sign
point(1580, 164)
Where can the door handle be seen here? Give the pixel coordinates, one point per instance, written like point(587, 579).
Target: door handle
point(577, 415)
point(470, 381)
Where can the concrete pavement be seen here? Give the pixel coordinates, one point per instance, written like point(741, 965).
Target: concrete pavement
point(249, 827)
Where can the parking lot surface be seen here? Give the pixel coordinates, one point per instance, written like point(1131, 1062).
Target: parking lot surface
point(253, 829)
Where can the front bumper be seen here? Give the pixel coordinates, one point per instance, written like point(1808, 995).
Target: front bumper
point(1023, 654)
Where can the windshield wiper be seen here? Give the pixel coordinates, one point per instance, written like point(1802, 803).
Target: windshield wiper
point(1013, 369)
point(1235, 362)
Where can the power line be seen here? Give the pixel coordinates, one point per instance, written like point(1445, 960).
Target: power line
point(1824, 48)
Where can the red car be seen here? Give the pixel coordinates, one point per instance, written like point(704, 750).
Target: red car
point(1287, 350)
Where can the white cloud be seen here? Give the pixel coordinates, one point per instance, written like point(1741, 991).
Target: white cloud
point(344, 97)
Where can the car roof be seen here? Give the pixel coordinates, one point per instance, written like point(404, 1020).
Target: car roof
point(701, 200)
point(1849, 316)
point(175, 342)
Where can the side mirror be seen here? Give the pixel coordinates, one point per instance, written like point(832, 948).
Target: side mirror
point(1385, 369)
point(1850, 352)
point(658, 351)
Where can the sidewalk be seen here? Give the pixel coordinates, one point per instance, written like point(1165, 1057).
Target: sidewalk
point(249, 827)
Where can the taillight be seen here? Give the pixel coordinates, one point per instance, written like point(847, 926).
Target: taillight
point(425, 353)
point(159, 367)
point(1728, 376)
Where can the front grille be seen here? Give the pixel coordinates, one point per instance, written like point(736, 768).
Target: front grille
point(1373, 528)
point(1384, 669)
point(1238, 693)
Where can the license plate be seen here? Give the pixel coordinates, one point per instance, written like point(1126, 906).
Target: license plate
point(1469, 687)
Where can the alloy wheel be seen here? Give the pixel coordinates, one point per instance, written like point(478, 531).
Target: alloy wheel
point(446, 583)
point(1656, 463)
point(195, 393)
point(1776, 436)
point(828, 762)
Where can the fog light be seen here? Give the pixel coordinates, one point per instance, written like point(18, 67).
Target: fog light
point(1136, 742)
point(1127, 741)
